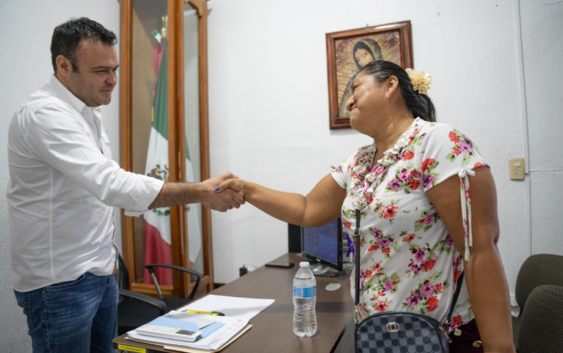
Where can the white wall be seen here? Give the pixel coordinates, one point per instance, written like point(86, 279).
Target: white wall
point(269, 103)
point(542, 43)
point(25, 38)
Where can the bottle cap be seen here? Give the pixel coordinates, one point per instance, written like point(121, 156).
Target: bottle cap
point(303, 264)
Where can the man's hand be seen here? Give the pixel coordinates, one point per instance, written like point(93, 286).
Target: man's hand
point(220, 201)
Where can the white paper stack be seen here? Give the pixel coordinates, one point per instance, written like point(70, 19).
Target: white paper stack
point(238, 312)
point(212, 342)
point(241, 308)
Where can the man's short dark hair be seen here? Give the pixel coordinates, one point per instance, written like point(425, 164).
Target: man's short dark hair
point(68, 35)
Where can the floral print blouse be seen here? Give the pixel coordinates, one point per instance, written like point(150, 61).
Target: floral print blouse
point(408, 259)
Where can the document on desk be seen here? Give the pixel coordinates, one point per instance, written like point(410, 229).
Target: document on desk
point(200, 320)
point(234, 307)
point(238, 311)
point(230, 327)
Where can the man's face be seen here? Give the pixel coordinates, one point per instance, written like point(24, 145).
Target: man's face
point(96, 77)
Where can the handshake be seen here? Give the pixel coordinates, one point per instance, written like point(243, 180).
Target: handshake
point(223, 192)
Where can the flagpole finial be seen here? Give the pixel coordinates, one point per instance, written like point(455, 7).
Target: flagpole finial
point(163, 27)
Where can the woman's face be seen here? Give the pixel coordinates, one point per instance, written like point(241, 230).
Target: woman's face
point(367, 102)
point(363, 57)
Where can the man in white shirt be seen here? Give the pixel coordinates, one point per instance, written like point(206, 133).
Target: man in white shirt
point(62, 190)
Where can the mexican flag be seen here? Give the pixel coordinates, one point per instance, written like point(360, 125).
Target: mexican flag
point(157, 221)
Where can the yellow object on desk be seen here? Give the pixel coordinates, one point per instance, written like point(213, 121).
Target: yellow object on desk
point(131, 349)
point(214, 313)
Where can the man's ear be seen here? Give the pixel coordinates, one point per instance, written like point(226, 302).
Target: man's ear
point(64, 66)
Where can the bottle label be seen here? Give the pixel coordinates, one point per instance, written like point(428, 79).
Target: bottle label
point(304, 293)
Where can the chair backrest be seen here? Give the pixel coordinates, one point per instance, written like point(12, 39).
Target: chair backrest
point(538, 270)
point(122, 275)
point(541, 328)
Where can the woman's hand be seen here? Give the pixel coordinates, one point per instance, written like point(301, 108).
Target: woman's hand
point(219, 202)
point(237, 185)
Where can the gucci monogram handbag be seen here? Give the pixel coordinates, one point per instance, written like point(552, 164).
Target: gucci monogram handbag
point(397, 331)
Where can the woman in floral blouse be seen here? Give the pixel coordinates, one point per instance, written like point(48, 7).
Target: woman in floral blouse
point(421, 224)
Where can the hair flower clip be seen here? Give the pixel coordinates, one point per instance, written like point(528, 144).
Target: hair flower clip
point(420, 80)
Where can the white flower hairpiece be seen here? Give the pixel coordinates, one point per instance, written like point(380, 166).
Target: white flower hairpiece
point(420, 81)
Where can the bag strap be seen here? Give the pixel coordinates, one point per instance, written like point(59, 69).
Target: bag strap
point(357, 270)
point(357, 250)
point(456, 295)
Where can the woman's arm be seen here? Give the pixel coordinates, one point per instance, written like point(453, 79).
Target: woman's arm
point(484, 273)
point(319, 207)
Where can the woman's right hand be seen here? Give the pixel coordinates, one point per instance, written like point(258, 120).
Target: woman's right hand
point(237, 185)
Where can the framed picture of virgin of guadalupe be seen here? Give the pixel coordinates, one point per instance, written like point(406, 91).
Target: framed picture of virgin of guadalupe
point(349, 51)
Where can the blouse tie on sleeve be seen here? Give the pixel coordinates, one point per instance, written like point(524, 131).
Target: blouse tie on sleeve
point(466, 208)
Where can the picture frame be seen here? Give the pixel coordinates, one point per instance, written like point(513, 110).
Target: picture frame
point(348, 51)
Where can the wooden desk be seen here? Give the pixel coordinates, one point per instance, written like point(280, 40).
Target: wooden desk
point(272, 329)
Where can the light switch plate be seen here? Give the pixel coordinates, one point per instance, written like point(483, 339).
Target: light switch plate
point(517, 169)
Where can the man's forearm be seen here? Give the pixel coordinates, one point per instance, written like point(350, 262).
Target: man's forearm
point(179, 193)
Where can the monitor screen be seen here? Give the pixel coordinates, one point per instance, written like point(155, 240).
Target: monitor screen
point(324, 243)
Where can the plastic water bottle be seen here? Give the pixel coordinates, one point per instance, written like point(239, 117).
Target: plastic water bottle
point(304, 300)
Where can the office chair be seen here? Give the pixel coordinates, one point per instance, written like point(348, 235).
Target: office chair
point(174, 303)
point(541, 328)
point(537, 270)
point(134, 309)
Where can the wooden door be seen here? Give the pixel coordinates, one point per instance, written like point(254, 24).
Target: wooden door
point(154, 125)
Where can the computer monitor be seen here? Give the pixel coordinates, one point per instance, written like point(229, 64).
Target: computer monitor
point(323, 245)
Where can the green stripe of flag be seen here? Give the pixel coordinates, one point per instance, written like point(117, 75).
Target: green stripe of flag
point(160, 122)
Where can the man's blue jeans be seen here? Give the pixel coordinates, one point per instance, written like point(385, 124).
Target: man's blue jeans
point(76, 316)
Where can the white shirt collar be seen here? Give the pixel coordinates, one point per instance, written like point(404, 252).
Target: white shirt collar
point(66, 95)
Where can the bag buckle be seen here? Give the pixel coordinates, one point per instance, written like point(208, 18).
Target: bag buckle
point(445, 334)
point(357, 314)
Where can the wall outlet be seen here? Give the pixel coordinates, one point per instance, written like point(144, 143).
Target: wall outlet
point(517, 169)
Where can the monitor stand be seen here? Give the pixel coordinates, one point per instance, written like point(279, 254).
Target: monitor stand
point(322, 270)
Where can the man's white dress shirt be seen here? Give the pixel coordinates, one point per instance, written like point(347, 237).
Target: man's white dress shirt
point(62, 190)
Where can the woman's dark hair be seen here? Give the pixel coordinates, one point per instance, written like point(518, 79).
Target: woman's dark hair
point(419, 104)
point(363, 44)
point(68, 35)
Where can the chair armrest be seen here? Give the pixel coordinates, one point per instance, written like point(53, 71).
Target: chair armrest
point(159, 304)
point(195, 273)
point(150, 267)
